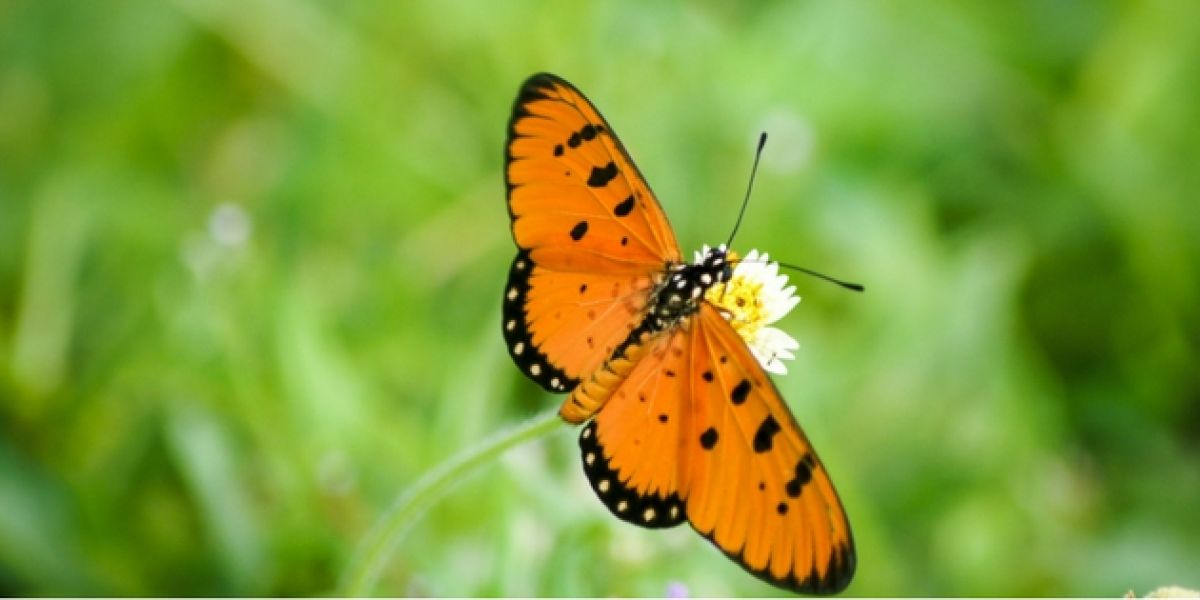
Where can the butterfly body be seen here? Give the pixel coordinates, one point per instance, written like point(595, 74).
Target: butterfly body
point(681, 294)
point(681, 421)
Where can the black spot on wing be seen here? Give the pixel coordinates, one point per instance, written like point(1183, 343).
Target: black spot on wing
point(802, 474)
point(623, 208)
point(558, 150)
point(578, 231)
point(527, 356)
point(574, 140)
point(794, 487)
point(600, 176)
point(709, 438)
point(765, 436)
point(654, 511)
point(740, 391)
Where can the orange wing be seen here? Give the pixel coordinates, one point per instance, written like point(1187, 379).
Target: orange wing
point(631, 451)
point(592, 240)
point(699, 425)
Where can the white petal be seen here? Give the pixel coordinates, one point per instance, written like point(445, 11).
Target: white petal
point(777, 339)
point(776, 307)
point(772, 346)
point(769, 363)
point(748, 265)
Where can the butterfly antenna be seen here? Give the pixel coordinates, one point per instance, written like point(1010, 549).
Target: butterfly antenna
point(762, 141)
point(857, 287)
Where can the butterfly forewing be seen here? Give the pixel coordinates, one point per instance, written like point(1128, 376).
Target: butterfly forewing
point(757, 488)
point(592, 239)
point(577, 200)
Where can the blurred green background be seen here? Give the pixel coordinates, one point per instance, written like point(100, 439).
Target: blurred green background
point(252, 255)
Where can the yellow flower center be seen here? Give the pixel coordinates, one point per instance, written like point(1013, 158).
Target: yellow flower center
point(740, 301)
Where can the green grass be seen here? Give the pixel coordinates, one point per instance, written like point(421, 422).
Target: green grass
point(252, 255)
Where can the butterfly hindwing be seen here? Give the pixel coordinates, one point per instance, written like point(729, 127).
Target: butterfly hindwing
point(636, 435)
point(592, 239)
point(577, 318)
point(699, 419)
point(521, 346)
point(655, 509)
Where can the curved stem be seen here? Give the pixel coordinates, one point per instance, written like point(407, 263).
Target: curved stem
point(362, 572)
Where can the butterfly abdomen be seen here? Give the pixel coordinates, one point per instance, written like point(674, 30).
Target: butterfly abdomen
point(591, 394)
point(673, 301)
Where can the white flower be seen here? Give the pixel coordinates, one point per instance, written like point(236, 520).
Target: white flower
point(755, 297)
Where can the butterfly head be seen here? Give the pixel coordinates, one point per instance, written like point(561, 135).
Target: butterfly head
point(718, 263)
point(680, 295)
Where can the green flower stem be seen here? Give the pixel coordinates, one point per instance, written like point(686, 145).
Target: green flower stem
point(381, 541)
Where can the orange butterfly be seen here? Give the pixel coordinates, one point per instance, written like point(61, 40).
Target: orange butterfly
point(685, 424)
